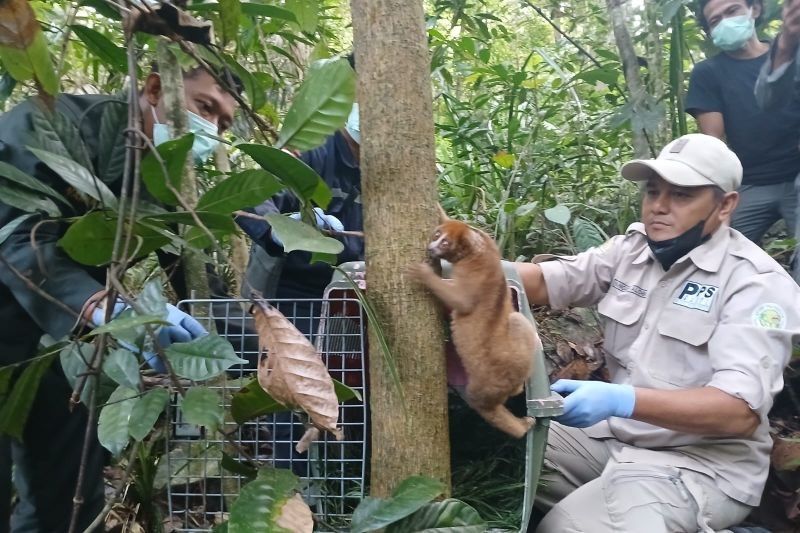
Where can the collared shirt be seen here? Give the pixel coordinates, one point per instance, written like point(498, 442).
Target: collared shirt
point(724, 316)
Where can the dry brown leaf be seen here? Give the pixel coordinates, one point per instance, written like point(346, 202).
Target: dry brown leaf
point(564, 351)
point(296, 516)
point(293, 372)
point(18, 25)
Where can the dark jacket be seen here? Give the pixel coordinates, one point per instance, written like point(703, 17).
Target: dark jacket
point(335, 163)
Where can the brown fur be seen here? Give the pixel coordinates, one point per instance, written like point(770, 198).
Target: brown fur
point(495, 343)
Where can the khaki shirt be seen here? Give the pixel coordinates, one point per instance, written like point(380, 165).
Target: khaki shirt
point(723, 316)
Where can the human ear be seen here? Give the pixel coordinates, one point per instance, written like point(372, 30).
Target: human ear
point(152, 89)
point(729, 203)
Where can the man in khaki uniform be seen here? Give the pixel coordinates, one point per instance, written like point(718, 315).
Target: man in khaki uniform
point(699, 323)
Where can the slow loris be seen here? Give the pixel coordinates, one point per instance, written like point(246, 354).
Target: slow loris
point(495, 343)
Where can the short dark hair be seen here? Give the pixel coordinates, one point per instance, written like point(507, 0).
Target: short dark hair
point(223, 72)
point(701, 17)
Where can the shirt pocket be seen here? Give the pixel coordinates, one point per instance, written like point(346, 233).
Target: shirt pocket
point(680, 354)
point(623, 312)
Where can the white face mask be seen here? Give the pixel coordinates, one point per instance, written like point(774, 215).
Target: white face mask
point(205, 133)
point(353, 125)
point(732, 33)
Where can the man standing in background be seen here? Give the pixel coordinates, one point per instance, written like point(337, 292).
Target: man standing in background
point(721, 99)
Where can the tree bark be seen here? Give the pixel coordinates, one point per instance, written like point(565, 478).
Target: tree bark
point(630, 65)
point(174, 103)
point(400, 195)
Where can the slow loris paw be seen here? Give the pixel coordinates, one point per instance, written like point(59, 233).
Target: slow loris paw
point(420, 272)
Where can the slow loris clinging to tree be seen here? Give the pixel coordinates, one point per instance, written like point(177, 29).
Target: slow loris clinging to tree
point(495, 343)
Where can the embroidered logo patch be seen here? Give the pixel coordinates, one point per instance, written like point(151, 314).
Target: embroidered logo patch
point(696, 295)
point(621, 286)
point(769, 316)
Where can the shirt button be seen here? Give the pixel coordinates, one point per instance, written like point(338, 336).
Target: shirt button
point(646, 326)
point(662, 284)
point(765, 363)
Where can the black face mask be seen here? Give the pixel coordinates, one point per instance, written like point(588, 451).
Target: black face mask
point(670, 250)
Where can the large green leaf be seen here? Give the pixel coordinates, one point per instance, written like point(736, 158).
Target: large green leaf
point(26, 200)
point(75, 359)
point(145, 412)
point(128, 322)
point(306, 12)
point(58, 134)
point(104, 9)
point(230, 11)
point(112, 425)
point(23, 46)
point(410, 495)
point(251, 401)
point(253, 87)
point(203, 407)
point(559, 214)
point(14, 174)
point(448, 516)
point(260, 502)
point(587, 234)
point(103, 48)
point(243, 189)
point(79, 177)
point(297, 235)
point(111, 148)
point(301, 178)
point(122, 366)
point(202, 358)
point(90, 239)
point(17, 405)
point(321, 106)
point(156, 177)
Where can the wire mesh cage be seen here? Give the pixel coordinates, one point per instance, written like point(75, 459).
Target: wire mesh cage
point(203, 467)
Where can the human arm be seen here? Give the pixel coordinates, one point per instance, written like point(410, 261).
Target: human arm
point(775, 85)
point(704, 100)
point(533, 282)
point(711, 123)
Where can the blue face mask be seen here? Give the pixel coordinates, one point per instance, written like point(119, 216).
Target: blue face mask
point(732, 33)
point(205, 133)
point(353, 125)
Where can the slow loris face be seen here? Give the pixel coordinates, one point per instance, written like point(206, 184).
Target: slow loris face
point(451, 241)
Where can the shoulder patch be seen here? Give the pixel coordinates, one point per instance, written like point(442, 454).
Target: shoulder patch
point(770, 316)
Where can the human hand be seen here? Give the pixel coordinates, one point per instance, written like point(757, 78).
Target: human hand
point(589, 402)
point(790, 30)
point(322, 221)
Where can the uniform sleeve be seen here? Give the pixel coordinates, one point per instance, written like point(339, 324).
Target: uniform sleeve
point(753, 341)
point(37, 258)
point(704, 93)
point(583, 279)
point(774, 90)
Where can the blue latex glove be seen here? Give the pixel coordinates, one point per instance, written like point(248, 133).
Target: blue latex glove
point(99, 313)
point(323, 221)
point(589, 402)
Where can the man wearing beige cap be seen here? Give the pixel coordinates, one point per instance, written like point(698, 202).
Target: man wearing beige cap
point(699, 323)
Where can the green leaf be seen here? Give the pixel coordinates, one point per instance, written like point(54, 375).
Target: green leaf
point(587, 234)
point(7, 230)
point(16, 406)
point(103, 48)
point(111, 149)
point(244, 189)
point(260, 502)
point(90, 239)
point(125, 323)
point(249, 9)
point(122, 366)
point(253, 87)
point(79, 177)
point(146, 411)
point(559, 214)
point(410, 495)
point(221, 527)
point(447, 516)
point(504, 159)
point(173, 153)
point(75, 359)
point(58, 134)
point(320, 107)
point(14, 174)
point(212, 221)
point(345, 393)
point(26, 200)
point(102, 8)
point(24, 51)
point(297, 235)
point(306, 12)
point(251, 401)
point(237, 467)
point(304, 182)
point(203, 407)
point(202, 358)
point(605, 75)
point(112, 425)
point(230, 12)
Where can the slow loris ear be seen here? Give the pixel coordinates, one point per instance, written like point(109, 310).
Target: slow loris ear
point(442, 214)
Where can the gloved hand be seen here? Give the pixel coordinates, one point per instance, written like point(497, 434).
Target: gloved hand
point(99, 313)
point(323, 221)
point(589, 402)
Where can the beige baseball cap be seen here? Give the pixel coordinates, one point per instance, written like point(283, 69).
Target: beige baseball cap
point(693, 160)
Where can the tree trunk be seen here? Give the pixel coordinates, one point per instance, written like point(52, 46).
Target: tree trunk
point(655, 68)
point(630, 65)
point(174, 103)
point(400, 195)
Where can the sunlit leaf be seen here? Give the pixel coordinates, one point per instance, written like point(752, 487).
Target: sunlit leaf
point(244, 189)
point(202, 358)
point(230, 12)
point(260, 501)
point(408, 497)
point(320, 107)
point(559, 214)
point(114, 420)
point(103, 48)
point(306, 12)
point(504, 159)
point(23, 46)
point(297, 235)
